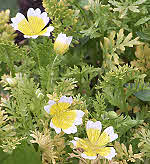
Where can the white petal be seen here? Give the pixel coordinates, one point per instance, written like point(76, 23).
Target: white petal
point(112, 154)
point(51, 102)
point(44, 14)
point(72, 129)
point(78, 119)
point(69, 39)
point(47, 108)
point(94, 125)
point(38, 12)
point(88, 157)
point(33, 36)
point(61, 35)
point(13, 19)
point(66, 99)
point(74, 143)
point(30, 12)
point(45, 18)
point(58, 130)
point(62, 38)
point(110, 132)
point(49, 29)
point(15, 26)
point(76, 138)
point(19, 17)
point(26, 36)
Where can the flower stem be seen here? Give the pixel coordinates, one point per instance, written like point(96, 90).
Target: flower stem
point(50, 75)
point(38, 57)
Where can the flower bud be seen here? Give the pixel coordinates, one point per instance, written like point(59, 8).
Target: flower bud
point(62, 43)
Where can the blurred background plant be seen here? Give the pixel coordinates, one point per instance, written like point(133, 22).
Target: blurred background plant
point(13, 5)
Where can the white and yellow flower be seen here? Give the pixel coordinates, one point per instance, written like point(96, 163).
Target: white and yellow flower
point(34, 25)
point(96, 142)
point(62, 43)
point(62, 117)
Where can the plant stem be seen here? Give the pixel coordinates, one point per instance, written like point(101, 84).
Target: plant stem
point(50, 74)
point(82, 12)
point(38, 57)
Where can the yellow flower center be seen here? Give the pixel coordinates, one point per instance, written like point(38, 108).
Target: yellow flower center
point(33, 26)
point(60, 47)
point(95, 143)
point(93, 149)
point(62, 116)
point(64, 120)
point(59, 107)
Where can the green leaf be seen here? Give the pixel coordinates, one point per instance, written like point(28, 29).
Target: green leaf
point(142, 21)
point(144, 36)
point(143, 95)
point(139, 2)
point(83, 3)
point(22, 155)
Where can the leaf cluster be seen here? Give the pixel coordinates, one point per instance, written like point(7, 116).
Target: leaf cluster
point(100, 18)
point(25, 105)
point(143, 134)
point(14, 58)
point(52, 148)
point(64, 15)
point(83, 75)
point(113, 85)
point(122, 124)
point(114, 45)
point(124, 155)
point(143, 59)
point(6, 31)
